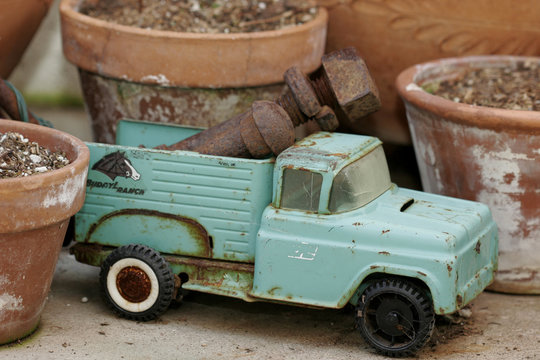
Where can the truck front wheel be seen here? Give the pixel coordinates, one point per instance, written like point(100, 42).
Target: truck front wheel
point(395, 316)
point(137, 283)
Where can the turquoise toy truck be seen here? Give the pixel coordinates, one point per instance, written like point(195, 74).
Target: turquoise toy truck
point(321, 225)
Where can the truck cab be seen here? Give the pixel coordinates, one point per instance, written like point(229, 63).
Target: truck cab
point(336, 220)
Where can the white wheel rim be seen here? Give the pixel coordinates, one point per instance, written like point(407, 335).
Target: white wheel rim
point(117, 297)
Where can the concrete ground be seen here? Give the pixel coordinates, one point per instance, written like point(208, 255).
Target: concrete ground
point(213, 327)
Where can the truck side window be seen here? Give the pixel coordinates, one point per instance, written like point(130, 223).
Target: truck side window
point(301, 190)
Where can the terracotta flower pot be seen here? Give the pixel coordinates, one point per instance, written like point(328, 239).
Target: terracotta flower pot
point(19, 21)
point(35, 214)
point(392, 35)
point(196, 79)
point(484, 154)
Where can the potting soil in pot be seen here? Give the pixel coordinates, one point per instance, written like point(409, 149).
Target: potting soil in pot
point(203, 16)
point(22, 157)
point(509, 87)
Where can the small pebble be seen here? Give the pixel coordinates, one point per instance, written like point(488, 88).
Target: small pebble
point(84, 299)
point(35, 159)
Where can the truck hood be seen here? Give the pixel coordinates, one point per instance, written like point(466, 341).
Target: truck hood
point(454, 218)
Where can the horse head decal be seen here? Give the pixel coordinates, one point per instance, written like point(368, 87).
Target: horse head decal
point(116, 164)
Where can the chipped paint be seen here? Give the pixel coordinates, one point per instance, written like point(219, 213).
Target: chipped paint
point(109, 100)
point(63, 195)
point(501, 175)
point(157, 79)
point(10, 302)
point(478, 247)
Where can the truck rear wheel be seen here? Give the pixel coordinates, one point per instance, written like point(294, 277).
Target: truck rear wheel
point(137, 283)
point(395, 316)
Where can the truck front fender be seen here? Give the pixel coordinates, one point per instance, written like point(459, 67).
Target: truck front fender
point(440, 291)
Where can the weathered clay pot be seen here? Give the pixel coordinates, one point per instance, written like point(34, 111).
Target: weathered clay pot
point(392, 35)
point(195, 79)
point(19, 20)
point(35, 212)
point(484, 154)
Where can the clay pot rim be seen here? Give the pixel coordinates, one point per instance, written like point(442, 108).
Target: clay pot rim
point(55, 176)
point(477, 116)
point(189, 60)
point(70, 9)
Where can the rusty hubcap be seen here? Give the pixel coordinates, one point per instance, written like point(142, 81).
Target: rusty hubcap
point(133, 284)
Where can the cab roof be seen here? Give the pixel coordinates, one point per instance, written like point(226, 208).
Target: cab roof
point(326, 151)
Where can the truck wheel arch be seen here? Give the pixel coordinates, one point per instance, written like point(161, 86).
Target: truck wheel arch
point(188, 232)
point(371, 277)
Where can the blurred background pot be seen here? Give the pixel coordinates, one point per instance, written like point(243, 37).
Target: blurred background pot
point(484, 154)
point(35, 214)
point(187, 78)
point(392, 35)
point(19, 20)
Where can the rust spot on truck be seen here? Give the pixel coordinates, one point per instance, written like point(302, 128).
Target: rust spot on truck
point(477, 247)
point(384, 253)
point(340, 155)
point(91, 254)
point(372, 267)
point(215, 274)
point(421, 273)
point(384, 231)
point(196, 231)
point(441, 311)
point(273, 290)
point(459, 301)
point(449, 268)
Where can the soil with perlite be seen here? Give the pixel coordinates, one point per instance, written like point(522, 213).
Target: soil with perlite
point(21, 157)
point(203, 16)
point(511, 87)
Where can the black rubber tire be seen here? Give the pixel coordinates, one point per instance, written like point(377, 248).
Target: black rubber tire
point(142, 265)
point(395, 316)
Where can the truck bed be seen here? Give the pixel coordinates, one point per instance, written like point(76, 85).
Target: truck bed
point(178, 202)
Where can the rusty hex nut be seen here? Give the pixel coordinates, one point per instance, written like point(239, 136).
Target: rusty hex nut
point(350, 82)
point(327, 119)
point(302, 91)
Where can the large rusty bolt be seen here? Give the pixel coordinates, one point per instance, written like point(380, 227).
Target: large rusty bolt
point(342, 83)
point(340, 90)
point(265, 129)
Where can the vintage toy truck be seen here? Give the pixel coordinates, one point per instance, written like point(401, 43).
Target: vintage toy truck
point(321, 225)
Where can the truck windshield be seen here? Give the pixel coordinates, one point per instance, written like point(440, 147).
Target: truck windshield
point(360, 182)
